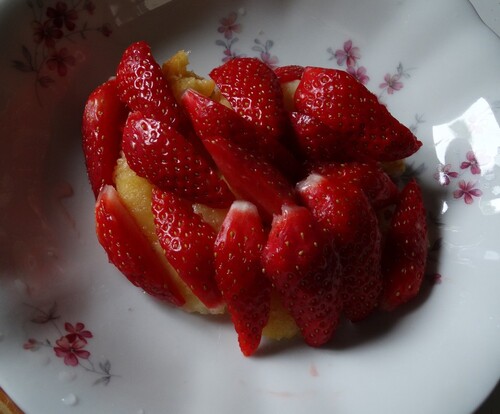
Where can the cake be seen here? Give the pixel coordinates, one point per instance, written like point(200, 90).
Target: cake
point(257, 191)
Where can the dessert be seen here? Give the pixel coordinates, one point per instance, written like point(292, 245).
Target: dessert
point(258, 192)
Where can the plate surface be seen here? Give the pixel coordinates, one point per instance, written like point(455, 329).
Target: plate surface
point(434, 64)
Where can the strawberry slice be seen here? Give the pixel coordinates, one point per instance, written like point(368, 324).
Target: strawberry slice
point(315, 141)
point(344, 212)
point(369, 176)
point(129, 249)
point(348, 107)
point(188, 242)
point(102, 124)
point(163, 156)
point(254, 92)
point(303, 267)
point(405, 251)
point(238, 273)
point(289, 73)
point(252, 178)
point(210, 119)
point(142, 86)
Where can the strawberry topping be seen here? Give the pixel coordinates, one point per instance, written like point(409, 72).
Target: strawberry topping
point(163, 156)
point(346, 106)
point(130, 250)
point(344, 212)
point(102, 125)
point(304, 269)
point(188, 242)
point(254, 91)
point(142, 86)
point(238, 250)
point(405, 252)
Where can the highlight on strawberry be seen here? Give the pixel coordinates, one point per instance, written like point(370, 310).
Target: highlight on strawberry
point(258, 192)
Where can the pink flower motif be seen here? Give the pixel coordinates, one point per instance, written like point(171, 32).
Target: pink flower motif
point(391, 83)
point(349, 54)
point(31, 344)
point(89, 6)
point(471, 163)
point(359, 74)
point(46, 33)
point(60, 60)
point(468, 191)
point(229, 26)
point(61, 16)
point(444, 174)
point(271, 61)
point(71, 350)
point(77, 331)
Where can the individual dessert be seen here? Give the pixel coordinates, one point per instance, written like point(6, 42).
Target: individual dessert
point(258, 192)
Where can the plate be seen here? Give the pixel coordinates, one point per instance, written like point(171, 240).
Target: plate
point(433, 63)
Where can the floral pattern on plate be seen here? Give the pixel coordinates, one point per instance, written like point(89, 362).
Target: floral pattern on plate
point(54, 28)
point(71, 345)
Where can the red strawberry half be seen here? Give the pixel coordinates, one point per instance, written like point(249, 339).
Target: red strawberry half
point(212, 119)
point(102, 125)
point(370, 177)
point(289, 73)
point(254, 92)
point(142, 87)
point(405, 251)
point(304, 269)
point(238, 273)
point(315, 141)
point(163, 156)
point(252, 178)
point(345, 214)
point(130, 250)
point(346, 106)
point(188, 242)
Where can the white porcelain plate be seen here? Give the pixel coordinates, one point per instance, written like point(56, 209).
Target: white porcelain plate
point(434, 64)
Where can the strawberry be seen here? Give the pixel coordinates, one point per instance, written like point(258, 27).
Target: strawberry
point(238, 273)
point(315, 140)
point(252, 178)
point(346, 106)
point(370, 177)
point(254, 92)
point(142, 86)
point(102, 124)
point(345, 214)
point(405, 252)
point(289, 73)
point(210, 119)
point(303, 268)
point(129, 249)
point(163, 156)
point(188, 242)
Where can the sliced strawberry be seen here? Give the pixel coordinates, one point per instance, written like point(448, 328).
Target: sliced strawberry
point(348, 107)
point(369, 176)
point(289, 73)
point(102, 125)
point(211, 119)
point(252, 178)
point(188, 242)
point(142, 87)
point(163, 156)
point(254, 92)
point(344, 212)
point(304, 269)
point(315, 141)
point(405, 251)
point(129, 249)
point(238, 273)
